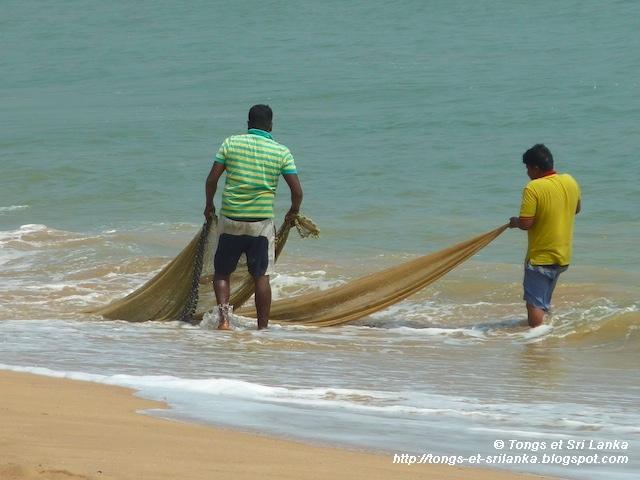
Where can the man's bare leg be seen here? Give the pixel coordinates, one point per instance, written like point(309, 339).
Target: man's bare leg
point(222, 287)
point(263, 300)
point(535, 316)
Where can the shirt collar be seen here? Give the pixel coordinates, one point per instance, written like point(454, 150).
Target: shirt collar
point(262, 133)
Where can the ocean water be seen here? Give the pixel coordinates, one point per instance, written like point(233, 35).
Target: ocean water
point(407, 120)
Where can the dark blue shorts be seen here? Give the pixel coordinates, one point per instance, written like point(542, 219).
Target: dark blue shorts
point(254, 239)
point(539, 283)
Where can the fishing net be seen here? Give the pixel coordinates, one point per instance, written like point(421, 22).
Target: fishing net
point(183, 289)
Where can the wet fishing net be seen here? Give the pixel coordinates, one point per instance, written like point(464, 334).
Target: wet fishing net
point(183, 289)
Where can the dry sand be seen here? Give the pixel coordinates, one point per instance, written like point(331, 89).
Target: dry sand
point(67, 430)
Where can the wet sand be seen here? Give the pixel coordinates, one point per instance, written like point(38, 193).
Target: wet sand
point(58, 429)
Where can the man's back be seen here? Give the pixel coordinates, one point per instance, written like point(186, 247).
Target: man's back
point(553, 201)
point(253, 162)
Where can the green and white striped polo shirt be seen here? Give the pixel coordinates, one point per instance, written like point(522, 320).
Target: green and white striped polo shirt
point(253, 162)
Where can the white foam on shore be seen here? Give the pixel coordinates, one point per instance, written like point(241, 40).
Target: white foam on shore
point(375, 402)
point(23, 230)
point(286, 285)
point(513, 418)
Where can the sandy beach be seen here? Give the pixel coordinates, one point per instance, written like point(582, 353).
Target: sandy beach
point(63, 429)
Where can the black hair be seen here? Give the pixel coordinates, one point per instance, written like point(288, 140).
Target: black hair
point(260, 116)
point(538, 156)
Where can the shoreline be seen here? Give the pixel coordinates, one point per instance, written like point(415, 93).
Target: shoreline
point(59, 428)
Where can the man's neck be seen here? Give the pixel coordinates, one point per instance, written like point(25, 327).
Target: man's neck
point(259, 131)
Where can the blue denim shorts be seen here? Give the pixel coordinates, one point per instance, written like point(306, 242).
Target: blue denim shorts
point(539, 283)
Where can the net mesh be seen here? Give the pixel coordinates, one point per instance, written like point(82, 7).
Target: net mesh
point(187, 280)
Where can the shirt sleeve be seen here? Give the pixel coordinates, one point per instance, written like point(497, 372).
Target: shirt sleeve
point(529, 203)
point(288, 165)
point(221, 156)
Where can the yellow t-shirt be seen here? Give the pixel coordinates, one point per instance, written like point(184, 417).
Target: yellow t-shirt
point(552, 200)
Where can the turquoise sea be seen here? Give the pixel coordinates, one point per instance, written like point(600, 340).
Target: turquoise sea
point(407, 121)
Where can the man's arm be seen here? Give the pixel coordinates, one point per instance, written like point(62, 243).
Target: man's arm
point(528, 209)
point(523, 223)
point(296, 194)
point(211, 187)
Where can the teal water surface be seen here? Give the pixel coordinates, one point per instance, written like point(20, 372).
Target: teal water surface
point(407, 119)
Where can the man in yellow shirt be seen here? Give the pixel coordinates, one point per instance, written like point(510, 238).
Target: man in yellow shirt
point(550, 202)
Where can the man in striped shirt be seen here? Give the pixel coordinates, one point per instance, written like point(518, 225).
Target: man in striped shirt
point(254, 162)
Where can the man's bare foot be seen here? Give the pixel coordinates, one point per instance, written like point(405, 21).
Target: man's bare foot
point(224, 311)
